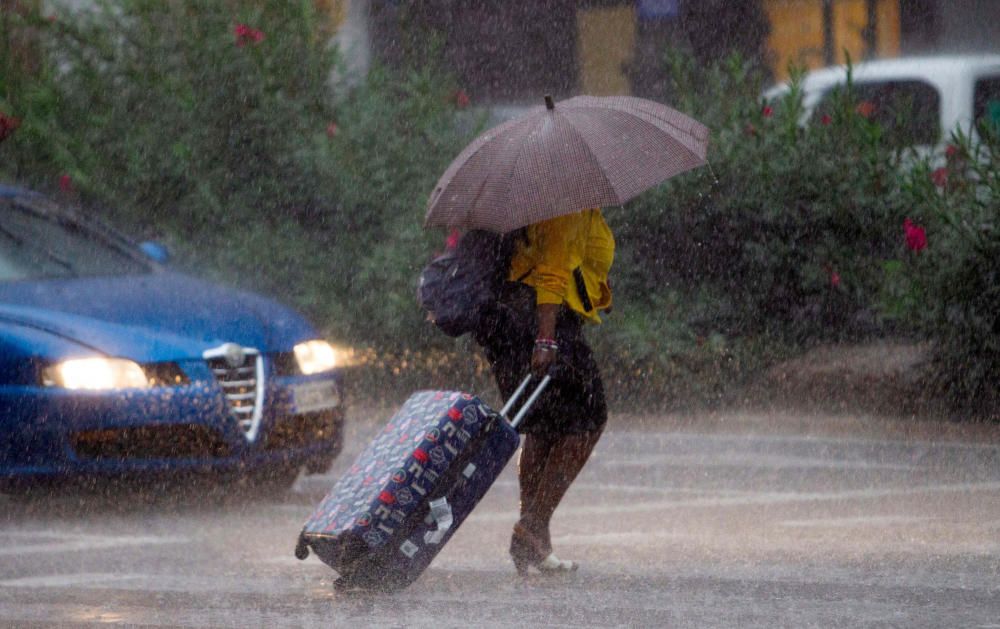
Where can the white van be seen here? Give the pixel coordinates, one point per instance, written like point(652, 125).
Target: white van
point(919, 100)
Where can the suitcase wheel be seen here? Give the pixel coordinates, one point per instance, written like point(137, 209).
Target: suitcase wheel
point(301, 549)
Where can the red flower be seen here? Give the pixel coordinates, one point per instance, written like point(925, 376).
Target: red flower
point(834, 279)
point(461, 99)
point(247, 35)
point(826, 120)
point(332, 129)
point(452, 241)
point(951, 151)
point(940, 177)
point(865, 108)
point(8, 124)
point(66, 183)
point(916, 237)
point(768, 111)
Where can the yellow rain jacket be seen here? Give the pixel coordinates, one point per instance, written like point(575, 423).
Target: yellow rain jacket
point(556, 247)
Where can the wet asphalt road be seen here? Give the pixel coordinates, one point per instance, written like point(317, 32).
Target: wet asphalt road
point(727, 520)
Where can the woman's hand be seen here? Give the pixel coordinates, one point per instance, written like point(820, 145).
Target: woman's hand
point(542, 359)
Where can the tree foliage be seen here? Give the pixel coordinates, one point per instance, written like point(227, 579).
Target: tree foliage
point(217, 127)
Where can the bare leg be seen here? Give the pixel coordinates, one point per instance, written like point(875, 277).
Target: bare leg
point(563, 461)
point(530, 466)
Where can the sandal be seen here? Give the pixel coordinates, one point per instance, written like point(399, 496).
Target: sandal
point(528, 553)
point(552, 564)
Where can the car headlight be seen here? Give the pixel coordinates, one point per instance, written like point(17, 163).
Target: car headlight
point(315, 356)
point(96, 374)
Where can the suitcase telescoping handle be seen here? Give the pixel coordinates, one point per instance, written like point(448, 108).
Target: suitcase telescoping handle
point(527, 404)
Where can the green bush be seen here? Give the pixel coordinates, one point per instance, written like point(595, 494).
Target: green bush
point(167, 110)
point(218, 128)
point(234, 146)
point(789, 225)
point(947, 275)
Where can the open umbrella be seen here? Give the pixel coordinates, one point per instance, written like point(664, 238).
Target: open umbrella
point(561, 158)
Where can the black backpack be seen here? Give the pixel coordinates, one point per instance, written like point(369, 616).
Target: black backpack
point(458, 287)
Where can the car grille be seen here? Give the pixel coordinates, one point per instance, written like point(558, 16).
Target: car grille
point(174, 441)
point(242, 382)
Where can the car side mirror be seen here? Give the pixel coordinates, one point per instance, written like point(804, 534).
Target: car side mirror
point(155, 251)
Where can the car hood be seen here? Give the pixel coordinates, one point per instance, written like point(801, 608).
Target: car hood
point(155, 317)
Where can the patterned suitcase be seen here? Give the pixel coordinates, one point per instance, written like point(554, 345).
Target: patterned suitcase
point(406, 494)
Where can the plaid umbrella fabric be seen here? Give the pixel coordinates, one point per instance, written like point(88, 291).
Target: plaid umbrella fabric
point(561, 158)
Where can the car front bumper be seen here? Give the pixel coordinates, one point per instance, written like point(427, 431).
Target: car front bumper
point(47, 433)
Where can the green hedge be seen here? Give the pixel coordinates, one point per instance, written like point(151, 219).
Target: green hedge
point(789, 225)
point(946, 276)
point(810, 231)
point(220, 131)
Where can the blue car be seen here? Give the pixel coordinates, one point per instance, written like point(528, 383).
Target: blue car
point(111, 364)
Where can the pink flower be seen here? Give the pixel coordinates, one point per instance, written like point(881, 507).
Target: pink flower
point(834, 279)
point(66, 183)
point(826, 120)
point(916, 237)
point(768, 111)
point(940, 177)
point(452, 241)
point(865, 108)
point(461, 99)
point(332, 129)
point(247, 35)
point(951, 151)
point(8, 124)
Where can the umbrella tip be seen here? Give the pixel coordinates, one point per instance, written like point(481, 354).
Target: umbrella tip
point(549, 103)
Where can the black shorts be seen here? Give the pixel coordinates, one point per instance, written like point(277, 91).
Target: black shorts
point(574, 401)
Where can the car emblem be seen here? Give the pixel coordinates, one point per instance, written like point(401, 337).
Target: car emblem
point(233, 354)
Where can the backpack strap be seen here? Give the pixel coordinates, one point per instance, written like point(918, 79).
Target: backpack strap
point(581, 287)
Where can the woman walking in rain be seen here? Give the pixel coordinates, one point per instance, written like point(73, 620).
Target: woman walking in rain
point(558, 280)
point(584, 152)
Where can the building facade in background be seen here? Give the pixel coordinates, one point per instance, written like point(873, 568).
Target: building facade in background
point(509, 51)
point(816, 33)
point(513, 51)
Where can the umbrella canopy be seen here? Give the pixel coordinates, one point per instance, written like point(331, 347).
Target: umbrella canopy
point(563, 157)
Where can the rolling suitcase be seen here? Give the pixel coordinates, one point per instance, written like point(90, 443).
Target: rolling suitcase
point(384, 522)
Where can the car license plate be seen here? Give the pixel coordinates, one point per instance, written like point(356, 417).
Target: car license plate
point(314, 396)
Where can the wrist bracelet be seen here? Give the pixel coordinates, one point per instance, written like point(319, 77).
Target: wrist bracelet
point(546, 344)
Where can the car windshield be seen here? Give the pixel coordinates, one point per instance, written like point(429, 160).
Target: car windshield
point(38, 245)
point(909, 111)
